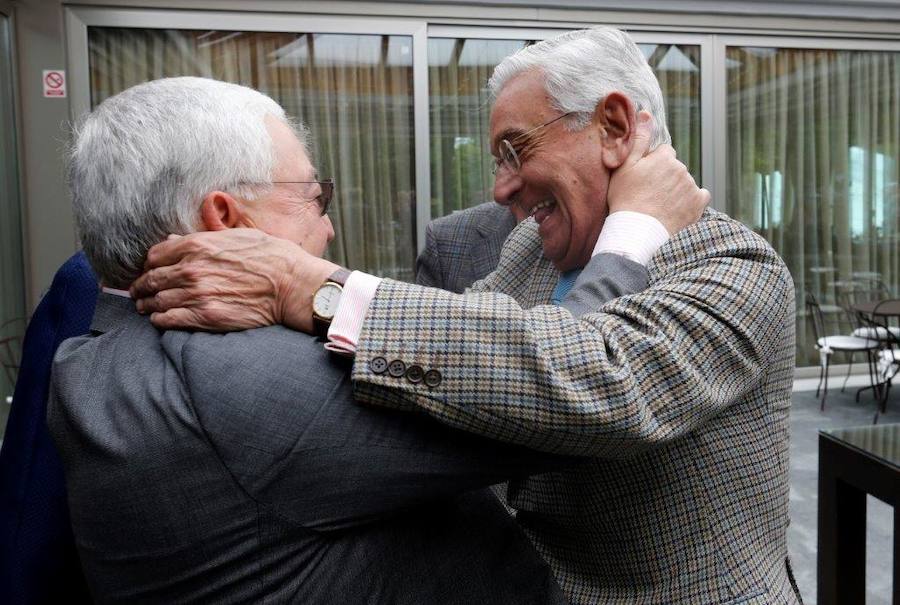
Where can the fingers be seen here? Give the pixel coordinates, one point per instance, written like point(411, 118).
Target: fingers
point(643, 133)
point(159, 279)
point(164, 300)
point(208, 317)
point(171, 250)
point(175, 319)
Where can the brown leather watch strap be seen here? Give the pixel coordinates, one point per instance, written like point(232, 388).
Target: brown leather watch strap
point(340, 276)
point(320, 324)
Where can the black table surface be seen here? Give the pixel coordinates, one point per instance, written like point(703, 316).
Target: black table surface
point(881, 442)
point(891, 309)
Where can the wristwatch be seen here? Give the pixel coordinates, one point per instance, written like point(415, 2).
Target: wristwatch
point(326, 299)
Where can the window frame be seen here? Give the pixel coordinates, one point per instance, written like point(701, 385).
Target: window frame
point(79, 19)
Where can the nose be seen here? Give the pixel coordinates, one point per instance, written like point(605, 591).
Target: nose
point(506, 185)
point(330, 234)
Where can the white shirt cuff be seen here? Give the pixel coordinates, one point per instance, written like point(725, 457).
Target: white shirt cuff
point(357, 295)
point(634, 235)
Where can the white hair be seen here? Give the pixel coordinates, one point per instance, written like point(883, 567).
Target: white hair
point(141, 163)
point(584, 66)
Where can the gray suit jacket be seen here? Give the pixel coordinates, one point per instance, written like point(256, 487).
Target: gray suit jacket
point(463, 247)
point(237, 468)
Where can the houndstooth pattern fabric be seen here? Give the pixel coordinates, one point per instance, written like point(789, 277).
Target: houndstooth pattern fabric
point(463, 247)
point(678, 397)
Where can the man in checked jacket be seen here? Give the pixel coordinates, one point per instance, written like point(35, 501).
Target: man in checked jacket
point(678, 394)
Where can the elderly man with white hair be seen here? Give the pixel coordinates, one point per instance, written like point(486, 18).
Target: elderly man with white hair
point(679, 393)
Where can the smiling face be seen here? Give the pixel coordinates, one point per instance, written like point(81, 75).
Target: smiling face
point(562, 181)
point(290, 210)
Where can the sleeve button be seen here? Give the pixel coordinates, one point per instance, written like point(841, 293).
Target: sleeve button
point(397, 368)
point(432, 378)
point(415, 374)
point(378, 365)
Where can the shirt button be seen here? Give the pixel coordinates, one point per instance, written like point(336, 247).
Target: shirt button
point(378, 365)
point(432, 378)
point(414, 374)
point(397, 368)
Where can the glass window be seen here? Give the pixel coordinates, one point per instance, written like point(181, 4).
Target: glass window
point(459, 107)
point(355, 92)
point(12, 278)
point(677, 67)
point(813, 144)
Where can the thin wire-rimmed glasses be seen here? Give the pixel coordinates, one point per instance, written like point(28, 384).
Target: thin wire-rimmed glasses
point(509, 157)
point(323, 199)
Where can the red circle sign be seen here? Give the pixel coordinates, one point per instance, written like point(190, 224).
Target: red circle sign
point(54, 79)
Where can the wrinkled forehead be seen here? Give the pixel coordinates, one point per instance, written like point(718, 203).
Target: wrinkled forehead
point(521, 104)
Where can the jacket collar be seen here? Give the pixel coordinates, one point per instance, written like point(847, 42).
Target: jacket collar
point(112, 311)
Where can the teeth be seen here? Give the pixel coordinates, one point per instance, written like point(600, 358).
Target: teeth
point(544, 204)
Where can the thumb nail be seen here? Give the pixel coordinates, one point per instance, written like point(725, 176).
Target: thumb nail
point(173, 236)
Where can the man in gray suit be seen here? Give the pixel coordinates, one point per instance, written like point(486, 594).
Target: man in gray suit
point(236, 467)
point(463, 247)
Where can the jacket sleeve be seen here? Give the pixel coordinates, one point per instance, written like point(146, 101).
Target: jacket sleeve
point(282, 420)
point(636, 371)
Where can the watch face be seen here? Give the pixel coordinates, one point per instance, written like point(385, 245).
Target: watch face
point(326, 299)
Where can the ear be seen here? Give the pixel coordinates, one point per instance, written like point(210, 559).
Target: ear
point(616, 118)
point(219, 211)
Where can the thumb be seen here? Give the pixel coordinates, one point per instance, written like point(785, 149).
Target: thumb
point(640, 140)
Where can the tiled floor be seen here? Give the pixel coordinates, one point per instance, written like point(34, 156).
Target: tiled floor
point(806, 420)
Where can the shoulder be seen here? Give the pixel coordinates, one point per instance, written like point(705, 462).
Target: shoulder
point(240, 360)
point(246, 381)
point(463, 221)
point(715, 235)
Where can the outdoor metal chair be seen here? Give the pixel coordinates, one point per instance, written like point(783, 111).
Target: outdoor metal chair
point(887, 360)
point(828, 345)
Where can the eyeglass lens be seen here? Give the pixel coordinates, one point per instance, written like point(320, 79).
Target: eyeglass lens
point(326, 196)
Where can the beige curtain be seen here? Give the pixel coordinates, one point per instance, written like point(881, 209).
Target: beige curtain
point(354, 91)
point(459, 106)
point(812, 160)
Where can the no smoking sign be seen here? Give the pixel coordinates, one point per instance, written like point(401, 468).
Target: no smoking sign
point(54, 81)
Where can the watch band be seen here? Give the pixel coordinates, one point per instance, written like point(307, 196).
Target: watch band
point(321, 324)
point(340, 276)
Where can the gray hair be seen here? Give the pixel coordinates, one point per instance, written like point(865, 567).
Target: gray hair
point(141, 163)
point(584, 66)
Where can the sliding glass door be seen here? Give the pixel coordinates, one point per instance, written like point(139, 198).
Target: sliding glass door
point(812, 166)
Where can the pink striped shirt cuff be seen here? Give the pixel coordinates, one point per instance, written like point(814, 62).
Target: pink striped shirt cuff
point(634, 235)
point(343, 335)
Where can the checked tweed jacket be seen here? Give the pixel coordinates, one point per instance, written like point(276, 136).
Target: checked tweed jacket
point(463, 247)
point(677, 396)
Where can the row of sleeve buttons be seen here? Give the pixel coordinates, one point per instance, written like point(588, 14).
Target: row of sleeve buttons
point(397, 368)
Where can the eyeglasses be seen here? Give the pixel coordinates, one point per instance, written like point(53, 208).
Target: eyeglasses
point(323, 199)
point(509, 157)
